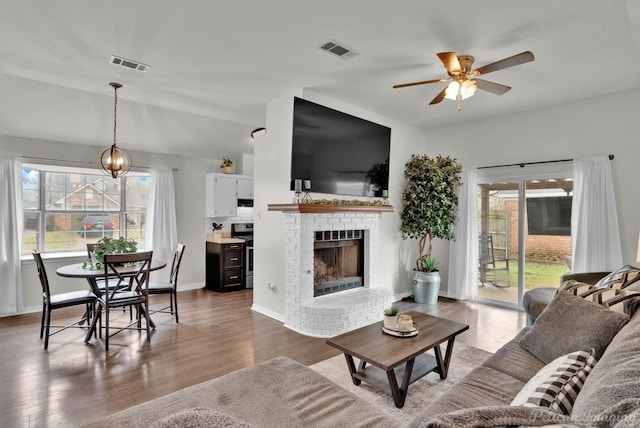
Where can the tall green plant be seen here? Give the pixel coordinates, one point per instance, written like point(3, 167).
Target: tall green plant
point(429, 201)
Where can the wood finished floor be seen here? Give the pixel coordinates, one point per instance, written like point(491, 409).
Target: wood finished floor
point(73, 383)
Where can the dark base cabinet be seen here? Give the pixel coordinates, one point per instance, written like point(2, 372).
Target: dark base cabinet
point(225, 266)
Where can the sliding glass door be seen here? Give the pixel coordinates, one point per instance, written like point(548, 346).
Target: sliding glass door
point(524, 227)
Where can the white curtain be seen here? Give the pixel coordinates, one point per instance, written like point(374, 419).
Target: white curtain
point(463, 252)
point(10, 235)
point(594, 220)
point(161, 231)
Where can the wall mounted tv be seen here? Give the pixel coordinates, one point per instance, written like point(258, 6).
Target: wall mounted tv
point(549, 216)
point(340, 154)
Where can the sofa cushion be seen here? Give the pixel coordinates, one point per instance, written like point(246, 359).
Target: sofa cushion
point(616, 377)
point(570, 324)
point(557, 384)
point(513, 360)
point(483, 386)
point(276, 393)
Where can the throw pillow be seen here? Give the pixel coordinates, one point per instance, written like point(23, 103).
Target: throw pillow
point(200, 417)
point(616, 299)
point(571, 323)
point(497, 416)
point(621, 278)
point(557, 384)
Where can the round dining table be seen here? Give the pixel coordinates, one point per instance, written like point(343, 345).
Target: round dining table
point(79, 270)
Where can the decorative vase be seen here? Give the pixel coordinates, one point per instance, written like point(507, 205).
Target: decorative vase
point(227, 169)
point(426, 286)
point(405, 322)
point(390, 321)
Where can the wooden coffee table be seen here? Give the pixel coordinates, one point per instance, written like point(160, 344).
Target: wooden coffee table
point(398, 357)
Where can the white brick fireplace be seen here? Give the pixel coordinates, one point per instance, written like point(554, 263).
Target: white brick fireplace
point(330, 315)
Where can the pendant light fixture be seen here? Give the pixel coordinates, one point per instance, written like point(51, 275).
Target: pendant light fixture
point(114, 160)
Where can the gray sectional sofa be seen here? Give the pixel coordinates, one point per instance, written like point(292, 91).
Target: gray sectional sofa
point(284, 393)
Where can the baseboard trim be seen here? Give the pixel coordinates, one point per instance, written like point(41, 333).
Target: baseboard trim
point(268, 312)
point(192, 286)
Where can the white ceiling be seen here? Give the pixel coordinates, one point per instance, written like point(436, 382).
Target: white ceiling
point(216, 64)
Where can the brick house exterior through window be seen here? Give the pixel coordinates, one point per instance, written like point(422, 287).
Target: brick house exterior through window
point(65, 208)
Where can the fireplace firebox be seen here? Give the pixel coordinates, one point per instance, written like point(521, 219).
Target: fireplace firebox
point(338, 261)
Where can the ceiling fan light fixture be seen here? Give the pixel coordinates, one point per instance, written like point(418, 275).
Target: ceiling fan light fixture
point(114, 160)
point(465, 89)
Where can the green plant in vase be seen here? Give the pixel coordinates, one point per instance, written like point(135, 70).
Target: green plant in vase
point(429, 208)
point(112, 246)
point(391, 317)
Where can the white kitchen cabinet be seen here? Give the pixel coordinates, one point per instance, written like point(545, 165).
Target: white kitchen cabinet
point(221, 200)
point(223, 192)
point(245, 187)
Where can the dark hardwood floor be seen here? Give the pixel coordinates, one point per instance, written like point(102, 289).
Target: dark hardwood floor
point(73, 383)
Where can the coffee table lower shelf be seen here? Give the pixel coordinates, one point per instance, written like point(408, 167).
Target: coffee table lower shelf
point(377, 377)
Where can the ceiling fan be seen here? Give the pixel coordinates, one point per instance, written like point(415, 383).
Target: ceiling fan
point(463, 81)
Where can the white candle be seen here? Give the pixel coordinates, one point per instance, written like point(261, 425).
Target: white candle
point(385, 193)
point(307, 184)
point(298, 185)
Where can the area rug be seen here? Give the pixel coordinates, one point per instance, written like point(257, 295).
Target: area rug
point(421, 393)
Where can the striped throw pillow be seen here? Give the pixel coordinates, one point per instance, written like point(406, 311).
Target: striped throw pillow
point(557, 385)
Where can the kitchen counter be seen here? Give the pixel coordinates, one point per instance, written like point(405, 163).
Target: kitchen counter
point(223, 240)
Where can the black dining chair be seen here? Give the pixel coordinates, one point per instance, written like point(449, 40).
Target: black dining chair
point(119, 296)
point(52, 301)
point(170, 287)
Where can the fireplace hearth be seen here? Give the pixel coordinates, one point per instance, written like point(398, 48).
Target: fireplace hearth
point(310, 227)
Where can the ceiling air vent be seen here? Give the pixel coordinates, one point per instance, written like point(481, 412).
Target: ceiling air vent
point(123, 62)
point(337, 49)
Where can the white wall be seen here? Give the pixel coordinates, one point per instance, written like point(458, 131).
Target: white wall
point(189, 186)
point(598, 126)
point(272, 175)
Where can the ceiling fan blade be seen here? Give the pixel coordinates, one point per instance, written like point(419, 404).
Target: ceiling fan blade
point(450, 61)
point(424, 82)
point(439, 97)
point(518, 59)
point(494, 88)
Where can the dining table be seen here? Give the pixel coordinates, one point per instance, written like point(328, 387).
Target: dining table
point(81, 270)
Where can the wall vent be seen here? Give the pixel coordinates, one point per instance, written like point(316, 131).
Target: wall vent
point(338, 49)
point(123, 62)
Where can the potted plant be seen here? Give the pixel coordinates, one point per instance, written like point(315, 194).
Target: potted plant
point(112, 246)
point(391, 317)
point(227, 165)
point(429, 205)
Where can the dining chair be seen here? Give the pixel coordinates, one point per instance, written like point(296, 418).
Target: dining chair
point(52, 301)
point(170, 287)
point(135, 297)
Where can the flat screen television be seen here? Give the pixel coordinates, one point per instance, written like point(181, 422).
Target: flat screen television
point(549, 216)
point(338, 153)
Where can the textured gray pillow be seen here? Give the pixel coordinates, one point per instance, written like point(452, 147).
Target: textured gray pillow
point(200, 417)
point(571, 323)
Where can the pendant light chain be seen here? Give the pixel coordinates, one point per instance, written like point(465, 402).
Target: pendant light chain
point(115, 111)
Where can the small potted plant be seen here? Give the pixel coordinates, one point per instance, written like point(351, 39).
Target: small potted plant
point(391, 317)
point(227, 166)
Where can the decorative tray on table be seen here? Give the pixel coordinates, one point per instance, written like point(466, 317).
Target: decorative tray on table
point(401, 333)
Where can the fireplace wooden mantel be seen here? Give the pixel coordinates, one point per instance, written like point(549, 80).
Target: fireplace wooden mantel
point(324, 209)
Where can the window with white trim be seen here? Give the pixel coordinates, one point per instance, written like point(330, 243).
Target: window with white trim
point(65, 208)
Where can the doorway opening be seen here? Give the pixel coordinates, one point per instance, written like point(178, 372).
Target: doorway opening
point(524, 241)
